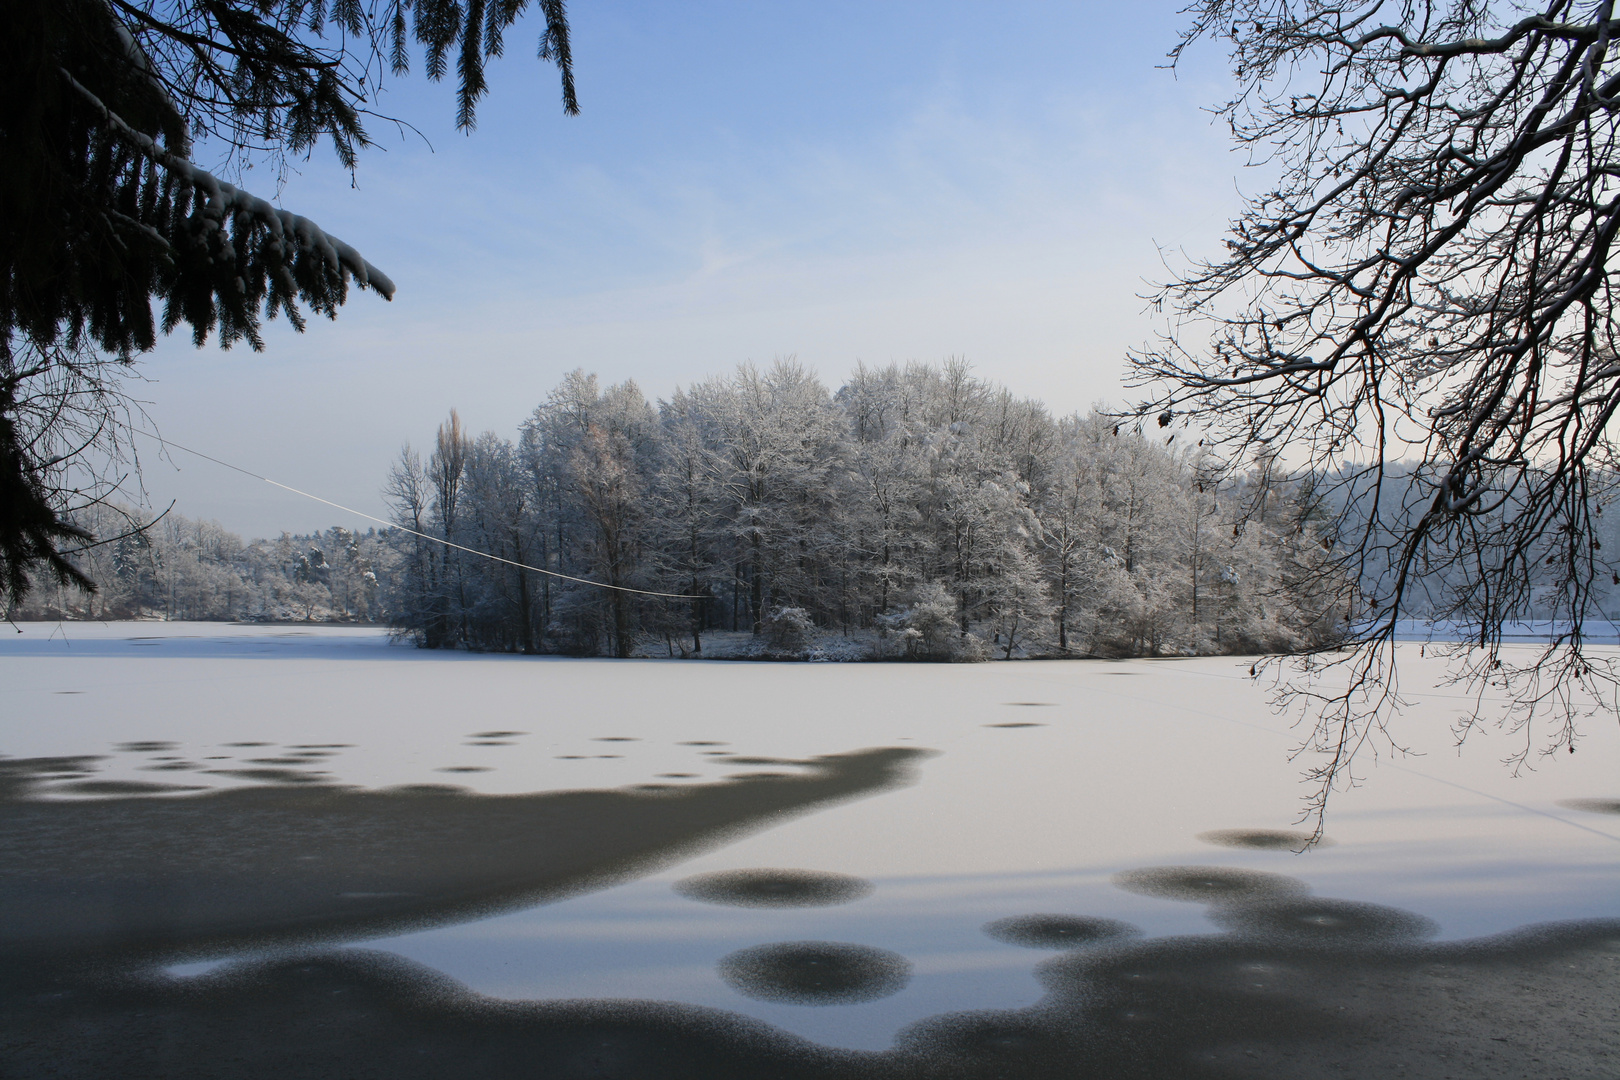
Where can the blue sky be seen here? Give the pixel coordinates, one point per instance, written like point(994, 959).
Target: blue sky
point(836, 181)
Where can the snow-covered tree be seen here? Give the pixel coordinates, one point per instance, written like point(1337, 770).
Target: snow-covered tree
point(686, 505)
point(173, 567)
point(780, 436)
point(935, 513)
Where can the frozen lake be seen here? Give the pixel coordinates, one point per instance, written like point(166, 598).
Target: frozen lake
point(310, 851)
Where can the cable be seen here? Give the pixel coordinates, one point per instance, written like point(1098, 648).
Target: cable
point(425, 536)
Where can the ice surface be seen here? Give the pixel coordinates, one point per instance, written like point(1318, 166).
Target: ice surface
point(1120, 774)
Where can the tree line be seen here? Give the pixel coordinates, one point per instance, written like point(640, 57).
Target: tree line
point(169, 566)
point(918, 511)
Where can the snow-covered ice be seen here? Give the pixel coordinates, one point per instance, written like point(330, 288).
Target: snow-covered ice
point(1042, 782)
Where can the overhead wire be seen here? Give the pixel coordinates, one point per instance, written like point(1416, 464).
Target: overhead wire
point(168, 443)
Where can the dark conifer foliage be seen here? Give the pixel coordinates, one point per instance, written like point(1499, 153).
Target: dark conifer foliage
point(103, 212)
point(29, 531)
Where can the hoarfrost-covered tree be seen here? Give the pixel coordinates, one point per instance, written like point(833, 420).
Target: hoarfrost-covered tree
point(171, 567)
point(685, 503)
point(498, 519)
point(887, 466)
point(406, 492)
point(1080, 563)
point(780, 437)
point(592, 452)
point(918, 512)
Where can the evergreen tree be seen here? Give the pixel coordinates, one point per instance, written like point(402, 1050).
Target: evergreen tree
point(103, 212)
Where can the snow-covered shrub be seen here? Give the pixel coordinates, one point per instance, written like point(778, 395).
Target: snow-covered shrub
point(836, 648)
point(789, 632)
point(926, 628)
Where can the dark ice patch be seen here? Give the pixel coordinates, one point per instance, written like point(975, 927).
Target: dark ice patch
point(1592, 806)
point(1209, 884)
point(496, 734)
point(1325, 921)
point(989, 1037)
point(774, 888)
point(1058, 931)
point(464, 768)
point(273, 776)
point(1017, 723)
point(815, 972)
point(257, 865)
point(1262, 839)
point(145, 747)
point(19, 777)
point(124, 787)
